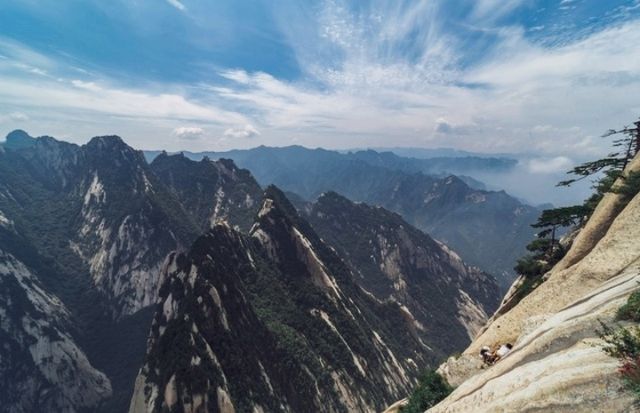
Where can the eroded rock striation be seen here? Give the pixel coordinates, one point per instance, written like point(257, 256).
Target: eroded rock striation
point(275, 322)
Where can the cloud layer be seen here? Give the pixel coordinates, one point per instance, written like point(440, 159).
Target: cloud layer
point(490, 76)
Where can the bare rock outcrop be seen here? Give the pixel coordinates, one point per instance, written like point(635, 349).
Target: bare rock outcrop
point(557, 364)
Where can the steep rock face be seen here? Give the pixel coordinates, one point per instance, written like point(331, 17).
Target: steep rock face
point(558, 366)
point(104, 210)
point(394, 260)
point(602, 218)
point(557, 363)
point(378, 335)
point(210, 190)
point(129, 222)
point(274, 322)
point(41, 366)
point(208, 351)
point(489, 229)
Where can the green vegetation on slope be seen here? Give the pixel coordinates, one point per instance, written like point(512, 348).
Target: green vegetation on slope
point(623, 343)
point(431, 390)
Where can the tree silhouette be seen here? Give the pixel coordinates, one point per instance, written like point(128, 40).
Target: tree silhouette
point(614, 163)
point(552, 219)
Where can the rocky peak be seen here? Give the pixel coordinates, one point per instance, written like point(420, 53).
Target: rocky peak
point(203, 311)
point(113, 150)
point(210, 190)
point(104, 206)
point(294, 245)
point(18, 139)
point(108, 142)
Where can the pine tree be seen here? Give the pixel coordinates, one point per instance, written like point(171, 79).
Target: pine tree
point(614, 163)
point(552, 219)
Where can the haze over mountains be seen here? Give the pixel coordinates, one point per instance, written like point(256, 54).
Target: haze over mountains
point(488, 229)
point(88, 269)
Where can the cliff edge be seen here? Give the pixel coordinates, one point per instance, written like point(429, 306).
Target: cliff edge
point(557, 363)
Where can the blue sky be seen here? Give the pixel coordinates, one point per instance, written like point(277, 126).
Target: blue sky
point(537, 76)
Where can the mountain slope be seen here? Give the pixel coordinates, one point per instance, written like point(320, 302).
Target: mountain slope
point(489, 229)
point(323, 343)
point(557, 363)
point(210, 190)
point(42, 367)
point(394, 260)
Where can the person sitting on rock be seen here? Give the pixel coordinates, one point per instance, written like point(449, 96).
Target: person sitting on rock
point(486, 355)
point(491, 357)
point(503, 351)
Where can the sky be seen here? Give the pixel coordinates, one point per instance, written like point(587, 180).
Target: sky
point(542, 77)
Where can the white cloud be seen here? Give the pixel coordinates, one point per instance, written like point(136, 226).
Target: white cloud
point(81, 96)
point(188, 132)
point(18, 116)
point(550, 165)
point(177, 4)
point(605, 53)
point(247, 131)
point(239, 76)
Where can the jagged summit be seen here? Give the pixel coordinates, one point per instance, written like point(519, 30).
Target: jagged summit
point(210, 190)
point(115, 148)
point(278, 201)
point(108, 141)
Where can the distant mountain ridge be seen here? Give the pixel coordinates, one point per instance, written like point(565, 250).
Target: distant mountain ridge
point(292, 157)
point(488, 229)
point(429, 153)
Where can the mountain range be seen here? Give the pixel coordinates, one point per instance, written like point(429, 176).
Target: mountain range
point(182, 283)
point(489, 229)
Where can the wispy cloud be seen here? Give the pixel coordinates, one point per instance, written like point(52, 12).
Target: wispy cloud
point(376, 73)
point(177, 4)
point(550, 165)
point(98, 106)
point(376, 95)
